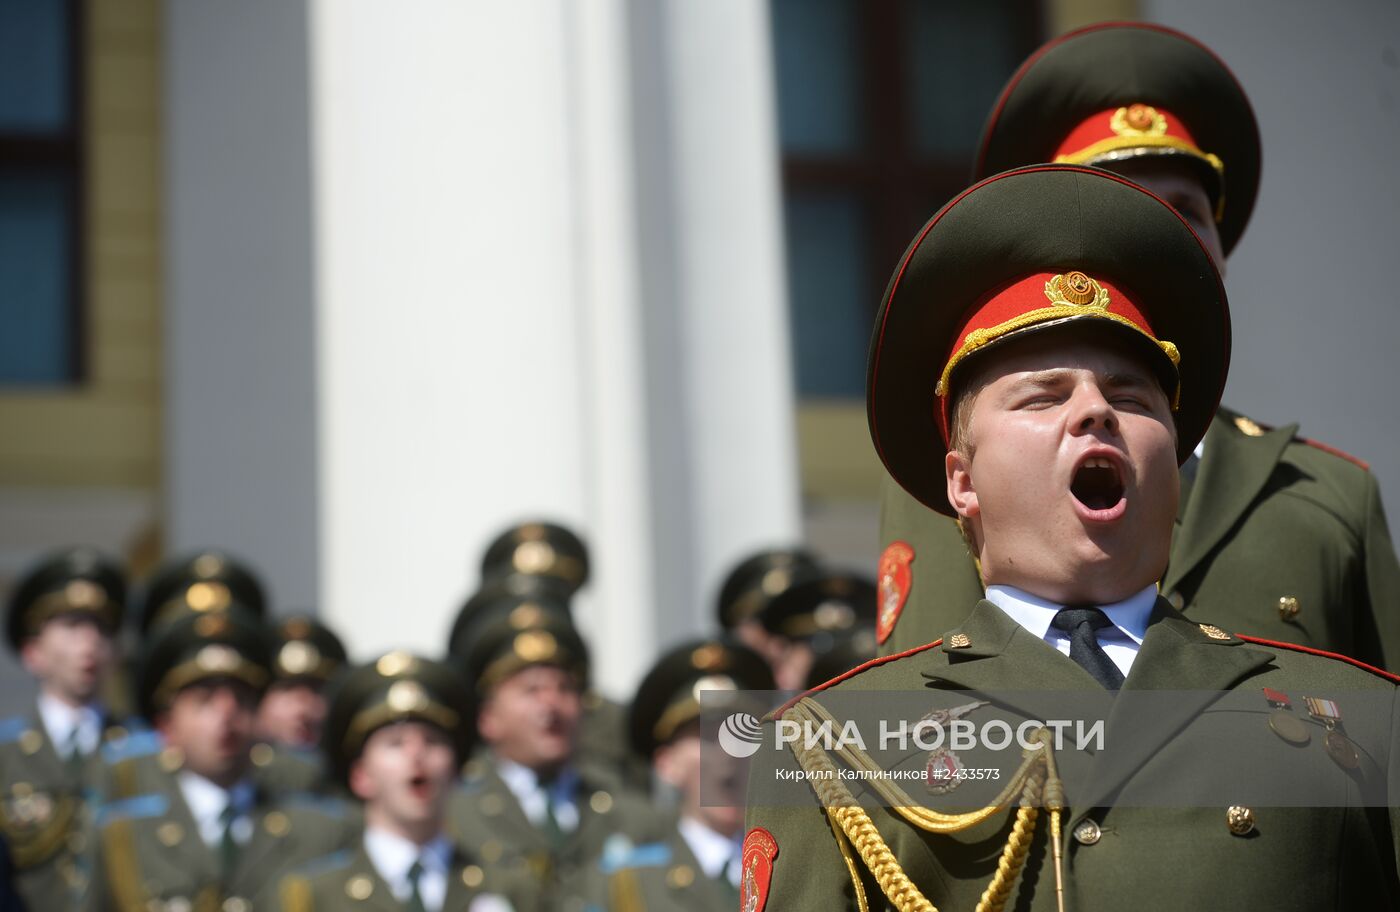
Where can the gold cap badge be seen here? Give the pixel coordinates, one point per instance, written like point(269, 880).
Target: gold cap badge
point(1138, 120)
point(1076, 289)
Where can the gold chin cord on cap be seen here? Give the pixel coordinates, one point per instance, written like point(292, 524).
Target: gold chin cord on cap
point(1035, 785)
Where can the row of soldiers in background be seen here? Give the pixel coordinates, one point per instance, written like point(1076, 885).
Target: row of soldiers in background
point(255, 768)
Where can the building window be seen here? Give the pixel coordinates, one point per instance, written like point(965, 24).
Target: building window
point(41, 180)
point(880, 105)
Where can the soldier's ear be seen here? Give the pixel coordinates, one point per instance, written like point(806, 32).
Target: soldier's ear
point(962, 493)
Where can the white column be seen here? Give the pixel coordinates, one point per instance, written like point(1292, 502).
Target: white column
point(736, 372)
point(542, 241)
point(448, 318)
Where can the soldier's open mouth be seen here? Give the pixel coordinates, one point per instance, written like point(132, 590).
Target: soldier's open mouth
point(1097, 484)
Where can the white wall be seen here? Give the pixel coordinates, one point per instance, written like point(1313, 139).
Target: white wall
point(1312, 284)
point(530, 265)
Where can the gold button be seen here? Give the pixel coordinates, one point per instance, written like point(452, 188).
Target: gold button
point(177, 904)
point(472, 876)
point(30, 741)
point(359, 887)
point(277, 824)
point(170, 834)
point(490, 851)
point(237, 904)
point(1087, 833)
point(1288, 608)
point(492, 805)
point(262, 754)
point(1240, 820)
point(680, 877)
point(1176, 600)
point(171, 759)
point(601, 802)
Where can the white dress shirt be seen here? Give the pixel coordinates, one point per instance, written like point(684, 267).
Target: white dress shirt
point(393, 855)
point(715, 852)
point(525, 785)
point(60, 720)
point(1121, 641)
point(207, 801)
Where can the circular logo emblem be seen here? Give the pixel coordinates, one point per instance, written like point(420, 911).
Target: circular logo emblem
point(740, 735)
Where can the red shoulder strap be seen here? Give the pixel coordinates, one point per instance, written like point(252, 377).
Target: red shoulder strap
point(1335, 452)
point(1274, 644)
point(880, 660)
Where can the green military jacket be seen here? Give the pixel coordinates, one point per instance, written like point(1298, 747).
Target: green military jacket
point(150, 851)
point(486, 820)
point(1115, 854)
point(657, 877)
point(603, 741)
point(45, 811)
point(347, 880)
point(1278, 538)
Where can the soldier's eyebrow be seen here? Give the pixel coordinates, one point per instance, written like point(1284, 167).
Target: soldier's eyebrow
point(1127, 381)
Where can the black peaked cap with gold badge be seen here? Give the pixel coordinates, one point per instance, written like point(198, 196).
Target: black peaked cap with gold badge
point(305, 649)
point(199, 647)
point(513, 590)
point(396, 687)
point(76, 580)
point(537, 549)
point(842, 653)
point(1123, 90)
point(512, 632)
point(669, 696)
point(756, 580)
point(1040, 249)
point(203, 582)
point(821, 603)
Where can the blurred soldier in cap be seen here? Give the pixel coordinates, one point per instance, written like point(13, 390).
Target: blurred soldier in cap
point(61, 621)
point(198, 832)
point(397, 736)
point(841, 653)
point(808, 618)
point(529, 795)
point(1257, 503)
point(537, 549)
point(696, 867)
point(201, 582)
point(751, 585)
point(1052, 346)
point(306, 656)
point(602, 732)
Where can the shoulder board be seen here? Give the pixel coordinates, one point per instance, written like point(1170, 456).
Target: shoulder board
point(1319, 445)
point(142, 806)
point(647, 855)
point(135, 744)
point(326, 805)
point(1274, 644)
point(13, 727)
point(879, 660)
point(324, 864)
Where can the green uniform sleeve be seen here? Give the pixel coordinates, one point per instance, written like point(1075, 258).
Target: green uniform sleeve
point(1382, 577)
point(809, 871)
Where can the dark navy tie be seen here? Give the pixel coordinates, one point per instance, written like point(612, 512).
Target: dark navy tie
point(1080, 624)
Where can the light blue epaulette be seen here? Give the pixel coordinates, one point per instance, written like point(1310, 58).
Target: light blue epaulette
point(646, 855)
point(328, 805)
point(138, 808)
point(135, 744)
point(13, 727)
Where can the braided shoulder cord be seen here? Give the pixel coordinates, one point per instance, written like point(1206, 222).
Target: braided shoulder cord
point(1035, 779)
